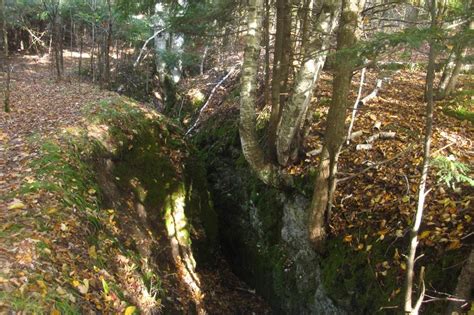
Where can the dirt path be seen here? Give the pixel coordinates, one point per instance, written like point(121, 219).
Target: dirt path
point(43, 250)
point(40, 106)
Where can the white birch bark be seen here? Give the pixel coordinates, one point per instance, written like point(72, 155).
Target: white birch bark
point(293, 114)
point(409, 307)
point(251, 149)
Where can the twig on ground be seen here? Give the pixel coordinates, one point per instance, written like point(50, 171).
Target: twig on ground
point(396, 156)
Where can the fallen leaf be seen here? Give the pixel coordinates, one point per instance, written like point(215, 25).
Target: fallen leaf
point(64, 227)
point(454, 245)
point(403, 265)
point(130, 310)
point(424, 234)
point(16, 204)
point(92, 252)
point(348, 238)
point(84, 288)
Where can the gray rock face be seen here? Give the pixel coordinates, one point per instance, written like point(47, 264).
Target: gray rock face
point(304, 260)
point(263, 230)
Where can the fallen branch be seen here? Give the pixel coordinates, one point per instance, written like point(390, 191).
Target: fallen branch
point(318, 150)
point(36, 39)
point(356, 104)
point(213, 91)
point(372, 94)
point(145, 44)
point(381, 135)
point(377, 125)
point(396, 156)
point(364, 146)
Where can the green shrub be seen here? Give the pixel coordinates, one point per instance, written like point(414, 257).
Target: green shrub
point(452, 172)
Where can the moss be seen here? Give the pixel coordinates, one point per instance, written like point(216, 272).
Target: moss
point(349, 277)
point(460, 105)
point(250, 217)
point(152, 160)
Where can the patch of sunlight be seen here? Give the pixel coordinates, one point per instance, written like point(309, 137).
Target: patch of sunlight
point(98, 131)
point(142, 192)
point(101, 134)
point(35, 59)
point(176, 225)
point(131, 103)
point(76, 54)
point(148, 299)
point(71, 130)
point(458, 138)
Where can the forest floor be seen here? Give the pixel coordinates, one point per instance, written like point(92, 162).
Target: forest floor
point(42, 252)
point(377, 188)
point(375, 199)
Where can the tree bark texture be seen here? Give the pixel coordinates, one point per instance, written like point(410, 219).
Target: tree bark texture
point(294, 112)
point(248, 136)
point(282, 25)
point(409, 307)
point(463, 288)
point(334, 135)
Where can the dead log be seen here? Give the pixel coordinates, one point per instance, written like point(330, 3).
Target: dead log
point(384, 135)
point(318, 150)
point(364, 146)
point(372, 94)
point(213, 91)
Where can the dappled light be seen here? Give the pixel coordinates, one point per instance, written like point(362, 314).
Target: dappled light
point(236, 157)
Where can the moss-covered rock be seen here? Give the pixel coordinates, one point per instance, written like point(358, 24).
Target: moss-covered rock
point(151, 159)
point(263, 232)
point(260, 227)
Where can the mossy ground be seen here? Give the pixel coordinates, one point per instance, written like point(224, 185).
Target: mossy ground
point(103, 267)
point(460, 105)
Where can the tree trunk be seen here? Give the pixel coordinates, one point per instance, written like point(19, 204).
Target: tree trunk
point(334, 135)
point(293, 114)
point(451, 70)
point(92, 61)
point(4, 30)
point(6, 95)
point(276, 75)
point(248, 136)
point(409, 308)
point(453, 79)
point(107, 46)
point(266, 43)
point(81, 46)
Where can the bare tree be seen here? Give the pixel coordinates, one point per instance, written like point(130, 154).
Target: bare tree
point(409, 307)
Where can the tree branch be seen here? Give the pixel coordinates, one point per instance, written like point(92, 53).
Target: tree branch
point(145, 44)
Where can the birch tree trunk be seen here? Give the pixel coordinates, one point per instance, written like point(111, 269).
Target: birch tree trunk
point(451, 70)
point(293, 114)
point(251, 149)
point(409, 307)
point(334, 136)
point(160, 40)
